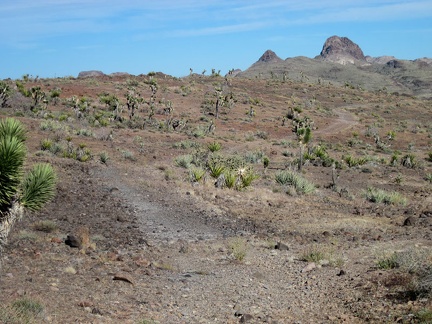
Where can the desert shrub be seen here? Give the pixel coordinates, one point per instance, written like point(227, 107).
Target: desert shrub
point(214, 146)
point(50, 125)
point(82, 154)
point(230, 178)
point(47, 226)
point(262, 134)
point(321, 254)
point(388, 262)
point(46, 144)
point(103, 157)
point(184, 161)
point(394, 158)
point(414, 261)
point(23, 310)
point(231, 162)
point(409, 161)
point(196, 174)
point(266, 162)
point(423, 316)
point(128, 155)
point(238, 248)
point(428, 177)
point(353, 161)
point(84, 132)
point(216, 169)
point(318, 156)
point(246, 177)
point(313, 253)
point(254, 157)
point(294, 180)
point(186, 145)
point(381, 196)
point(429, 158)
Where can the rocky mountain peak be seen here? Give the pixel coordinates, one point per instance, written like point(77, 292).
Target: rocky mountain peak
point(342, 50)
point(269, 56)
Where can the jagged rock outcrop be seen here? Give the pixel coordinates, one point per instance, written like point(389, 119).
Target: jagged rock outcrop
point(90, 74)
point(120, 74)
point(379, 59)
point(269, 56)
point(342, 50)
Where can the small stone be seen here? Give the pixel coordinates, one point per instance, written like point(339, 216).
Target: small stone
point(246, 318)
point(281, 246)
point(121, 219)
point(96, 311)
point(410, 221)
point(341, 273)
point(73, 241)
point(326, 234)
point(56, 240)
point(85, 303)
point(123, 277)
point(309, 267)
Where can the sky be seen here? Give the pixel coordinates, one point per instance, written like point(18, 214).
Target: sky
point(59, 38)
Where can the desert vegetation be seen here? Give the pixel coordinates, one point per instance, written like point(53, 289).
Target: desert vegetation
point(332, 173)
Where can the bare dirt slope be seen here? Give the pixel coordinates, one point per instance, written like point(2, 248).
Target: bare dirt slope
point(164, 249)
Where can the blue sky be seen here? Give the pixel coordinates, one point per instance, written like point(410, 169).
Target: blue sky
point(56, 38)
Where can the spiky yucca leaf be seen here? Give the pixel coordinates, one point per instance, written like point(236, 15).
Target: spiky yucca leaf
point(38, 186)
point(13, 128)
point(12, 155)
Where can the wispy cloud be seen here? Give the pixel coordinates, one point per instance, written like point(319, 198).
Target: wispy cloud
point(29, 21)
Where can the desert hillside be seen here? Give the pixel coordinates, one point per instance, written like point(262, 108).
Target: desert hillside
point(252, 198)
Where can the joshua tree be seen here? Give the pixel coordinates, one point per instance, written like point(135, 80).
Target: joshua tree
point(4, 93)
point(133, 101)
point(302, 129)
point(38, 96)
point(19, 192)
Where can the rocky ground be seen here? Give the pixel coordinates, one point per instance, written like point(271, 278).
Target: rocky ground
point(136, 242)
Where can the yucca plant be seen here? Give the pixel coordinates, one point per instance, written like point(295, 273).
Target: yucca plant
point(294, 179)
point(216, 169)
point(18, 191)
point(230, 178)
point(247, 177)
point(196, 174)
point(214, 146)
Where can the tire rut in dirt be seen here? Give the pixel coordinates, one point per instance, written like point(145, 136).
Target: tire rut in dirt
point(165, 220)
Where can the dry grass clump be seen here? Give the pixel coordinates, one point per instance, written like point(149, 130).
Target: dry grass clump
point(47, 226)
point(296, 181)
point(24, 310)
point(417, 262)
point(381, 196)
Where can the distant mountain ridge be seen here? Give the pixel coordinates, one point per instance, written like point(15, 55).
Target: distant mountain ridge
point(341, 61)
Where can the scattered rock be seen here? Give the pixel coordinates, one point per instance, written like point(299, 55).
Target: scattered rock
point(73, 241)
point(123, 277)
point(56, 240)
point(246, 318)
point(309, 267)
point(409, 221)
point(90, 74)
point(341, 273)
point(85, 303)
point(121, 219)
point(326, 234)
point(281, 246)
point(96, 311)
